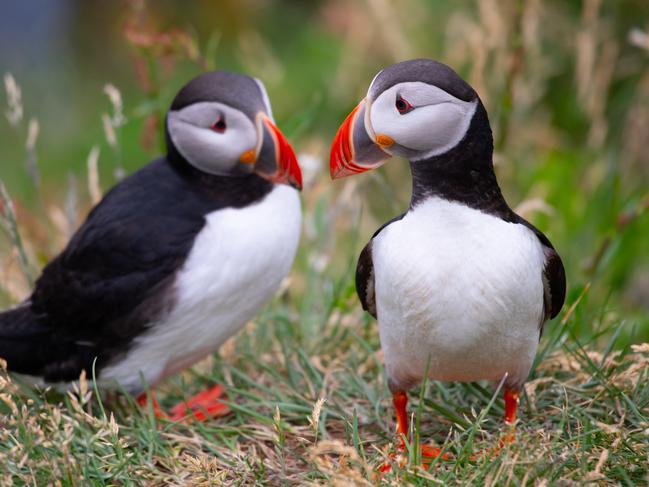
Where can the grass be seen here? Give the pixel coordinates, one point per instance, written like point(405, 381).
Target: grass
point(313, 407)
point(566, 86)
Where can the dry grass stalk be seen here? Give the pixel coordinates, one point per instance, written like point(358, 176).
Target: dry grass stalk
point(314, 418)
point(92, 164)
point(10, 224)
point(639, 38)
point(14, 112)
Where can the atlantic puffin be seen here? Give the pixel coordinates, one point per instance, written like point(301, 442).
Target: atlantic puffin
point(460, 284)
point(175, 258)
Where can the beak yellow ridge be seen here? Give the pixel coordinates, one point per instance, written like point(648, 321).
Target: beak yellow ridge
point(248, 157)
point(384, 140)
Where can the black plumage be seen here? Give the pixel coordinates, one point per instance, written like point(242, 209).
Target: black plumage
point(115, 277)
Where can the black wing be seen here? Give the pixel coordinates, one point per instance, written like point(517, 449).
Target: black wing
point(554, 275)
point(365, 280)
point(138, 235)
point(365, 273)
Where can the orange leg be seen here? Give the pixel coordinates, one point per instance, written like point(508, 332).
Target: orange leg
point(428, 452)
point(511, 402)
point(400, 401)
point(201, 407)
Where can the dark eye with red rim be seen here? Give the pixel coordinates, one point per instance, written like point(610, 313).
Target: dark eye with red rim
point(402, 105)
point(219, 126)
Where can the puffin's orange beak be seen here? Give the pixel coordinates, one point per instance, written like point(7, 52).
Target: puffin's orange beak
point(353, 151)
point(275, 158)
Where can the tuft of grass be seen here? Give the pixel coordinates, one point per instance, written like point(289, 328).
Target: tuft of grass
point(316, 409)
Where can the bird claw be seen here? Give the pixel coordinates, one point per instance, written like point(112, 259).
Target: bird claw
point(507, 439)
point(201, 407)
point(428, 454)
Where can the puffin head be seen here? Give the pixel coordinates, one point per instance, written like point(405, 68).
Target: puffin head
point(221, 123)
point(417, 109)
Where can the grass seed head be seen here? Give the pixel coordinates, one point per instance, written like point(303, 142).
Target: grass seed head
point(14, 110)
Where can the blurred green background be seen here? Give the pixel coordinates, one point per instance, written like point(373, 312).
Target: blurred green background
point(566, 84)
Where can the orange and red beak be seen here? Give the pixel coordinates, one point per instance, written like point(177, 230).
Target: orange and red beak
point(353, 150)
point(274, 158)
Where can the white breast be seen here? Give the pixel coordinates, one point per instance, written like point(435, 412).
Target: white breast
point(457, 291)
point(235, 266)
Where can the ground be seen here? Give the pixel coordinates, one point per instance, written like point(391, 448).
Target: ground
point(316, 409)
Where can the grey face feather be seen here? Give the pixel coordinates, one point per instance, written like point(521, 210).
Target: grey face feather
point(233, 89)
point(234, 98)
point(426, 71)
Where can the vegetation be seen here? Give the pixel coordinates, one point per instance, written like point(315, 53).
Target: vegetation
point(567, 88)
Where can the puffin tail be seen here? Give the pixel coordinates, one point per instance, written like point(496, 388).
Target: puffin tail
point(23, 340)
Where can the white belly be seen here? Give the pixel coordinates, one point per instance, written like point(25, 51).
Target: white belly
point(459, 292)
point(235, 266)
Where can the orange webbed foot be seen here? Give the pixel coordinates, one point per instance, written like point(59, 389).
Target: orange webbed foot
point(201, 407)
point(428, 452)
point(431, 452)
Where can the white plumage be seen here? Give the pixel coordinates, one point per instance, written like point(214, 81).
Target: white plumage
point(235, 266)
point(459, 288)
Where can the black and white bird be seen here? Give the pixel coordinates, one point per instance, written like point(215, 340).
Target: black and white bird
point(460, 284)
point(176, 258)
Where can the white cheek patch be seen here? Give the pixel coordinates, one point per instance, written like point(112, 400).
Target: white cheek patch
point(433, 126)
point(437, 123)
point(202, 147)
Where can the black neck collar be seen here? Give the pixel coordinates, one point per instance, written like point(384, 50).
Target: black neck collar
point(464, 174)
point(240, 189)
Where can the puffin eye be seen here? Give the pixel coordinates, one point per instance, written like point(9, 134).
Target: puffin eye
point(402, 105)
point(219, 126)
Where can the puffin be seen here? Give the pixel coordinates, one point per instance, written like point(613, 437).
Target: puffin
point(460, 284)
point(175, 259)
